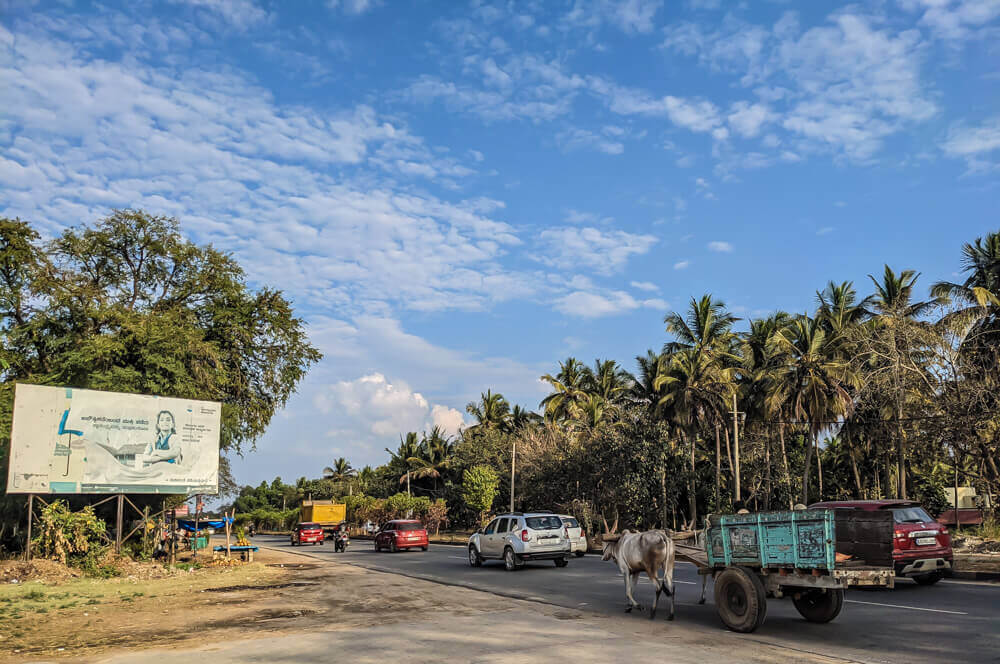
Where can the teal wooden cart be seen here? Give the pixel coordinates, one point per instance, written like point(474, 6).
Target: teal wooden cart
point(792, 554)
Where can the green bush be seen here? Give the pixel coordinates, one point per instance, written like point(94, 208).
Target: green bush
point(69, 537)
point(479, 489)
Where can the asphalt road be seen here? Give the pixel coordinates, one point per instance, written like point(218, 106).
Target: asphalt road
point(953, 621)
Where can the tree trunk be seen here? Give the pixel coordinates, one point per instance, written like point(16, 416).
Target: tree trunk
point(854, 469)
point(806, 472)
point(888, 474)
point(784, 462)
point(718, 467)
point(767, 472)
point(900, 450)
point(819, 468)
point(663, 488)
point(729, 450)
point(692, 498)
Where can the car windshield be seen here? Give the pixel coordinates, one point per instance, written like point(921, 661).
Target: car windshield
point(308, 526)
point(911, 515)
point(409, 526)
point(544, 522)
point(571, 522)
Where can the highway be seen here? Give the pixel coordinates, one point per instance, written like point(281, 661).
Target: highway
point(953, 621)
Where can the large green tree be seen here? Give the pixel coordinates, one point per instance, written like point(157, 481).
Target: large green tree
point(128, 304)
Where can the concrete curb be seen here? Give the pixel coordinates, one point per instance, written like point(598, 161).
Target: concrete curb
point(974, 576)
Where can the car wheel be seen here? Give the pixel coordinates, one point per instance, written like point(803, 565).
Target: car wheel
point(929, 579)
point(474, 559)
point(510, 560)
point(378, 549)
point(423, 548)
point(392, 547)
point(579, 554)
point(561, 562)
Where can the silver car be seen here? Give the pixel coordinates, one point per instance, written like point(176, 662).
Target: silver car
point(516, 538)
point(577, 538)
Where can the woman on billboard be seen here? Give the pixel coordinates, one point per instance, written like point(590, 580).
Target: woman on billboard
point(163, 449)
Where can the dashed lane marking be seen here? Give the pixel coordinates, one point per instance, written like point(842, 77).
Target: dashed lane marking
point(912, 608)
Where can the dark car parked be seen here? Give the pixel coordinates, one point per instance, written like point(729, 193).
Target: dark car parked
point(921, 546)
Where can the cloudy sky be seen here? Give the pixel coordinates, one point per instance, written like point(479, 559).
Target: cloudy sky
point(457, 194)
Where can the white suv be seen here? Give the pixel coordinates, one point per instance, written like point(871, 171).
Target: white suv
point(577, 538)
point(519, 537)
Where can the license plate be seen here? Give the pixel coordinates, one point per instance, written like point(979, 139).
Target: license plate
point(925, 541)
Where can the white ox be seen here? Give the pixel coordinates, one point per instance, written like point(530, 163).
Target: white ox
point(636, 553)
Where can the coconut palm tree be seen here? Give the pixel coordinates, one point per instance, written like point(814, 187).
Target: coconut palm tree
point(568, 390)
point(809, 383)
point(707, 326)
point(839, 309)
point(642, 383)
point(608, 381)
point(341, 471)
point(696, 389)
point(521, 418)
point(434, 456)
point(491, 411)
point(894, 320)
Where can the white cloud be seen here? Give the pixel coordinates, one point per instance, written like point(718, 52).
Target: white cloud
point(826, 230)
point(747, 119)
point(238, 14)
point(976, 145)
point(723, 247)
point(954, 19)
point(572, 139)
point(842, 87)
point(681, 265)
point(630, 16)
point(645, 286)
point(578, 217)
point(965, 141)
point(604, 252)
point(589, 304)
point(353, 7)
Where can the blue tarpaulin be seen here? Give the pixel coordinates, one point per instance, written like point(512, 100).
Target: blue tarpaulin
point(217, 524)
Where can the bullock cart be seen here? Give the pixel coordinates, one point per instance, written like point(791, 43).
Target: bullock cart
point(811, 556)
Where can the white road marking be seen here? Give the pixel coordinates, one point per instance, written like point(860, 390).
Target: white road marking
point(459, 557)
point(912, 608)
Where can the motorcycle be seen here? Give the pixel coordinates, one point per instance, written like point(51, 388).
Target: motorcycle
point(340, 541)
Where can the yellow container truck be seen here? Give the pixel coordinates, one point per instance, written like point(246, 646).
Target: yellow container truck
point(328, 514)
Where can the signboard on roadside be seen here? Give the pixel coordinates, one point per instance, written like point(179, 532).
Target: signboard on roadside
point(65, 440)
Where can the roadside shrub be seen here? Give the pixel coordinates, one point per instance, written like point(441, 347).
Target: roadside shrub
point(69, 536)
point(930, 494)
point(479, 489)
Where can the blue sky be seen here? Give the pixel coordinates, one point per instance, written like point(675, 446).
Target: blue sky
point(457, 195)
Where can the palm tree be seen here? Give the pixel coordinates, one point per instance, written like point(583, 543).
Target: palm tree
point(809, 383)
point(521, 418)
point(433, 457)
point(568, 390)
point(341, 471)
point(980, 293)
point(894, 313)
point(642, 384)
point(608, 381)
point(409, 447)
point(838, 308)
point(707, 326)
point(759, 361)
point(491, 411)
point(696, 390)
point(365, 478)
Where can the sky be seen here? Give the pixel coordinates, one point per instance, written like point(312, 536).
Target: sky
point(457, 195)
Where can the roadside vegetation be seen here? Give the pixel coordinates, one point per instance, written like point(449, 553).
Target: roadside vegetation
point(885, 389)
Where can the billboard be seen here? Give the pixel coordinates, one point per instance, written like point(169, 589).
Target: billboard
point(66, 440)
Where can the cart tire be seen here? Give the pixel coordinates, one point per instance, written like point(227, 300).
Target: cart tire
point(819, 607)
point(740, 599)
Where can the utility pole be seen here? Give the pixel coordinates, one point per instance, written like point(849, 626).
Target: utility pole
point(736, 448)
point(513, 456)
point(407, 482)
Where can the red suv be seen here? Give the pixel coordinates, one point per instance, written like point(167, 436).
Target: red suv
point(307, 532)
point(401, 534)
point(921, 547)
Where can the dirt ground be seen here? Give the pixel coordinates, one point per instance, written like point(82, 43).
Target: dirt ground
point(279, 592)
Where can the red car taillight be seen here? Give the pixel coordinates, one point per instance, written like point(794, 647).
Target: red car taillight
point(903, 540)
point(524, 536)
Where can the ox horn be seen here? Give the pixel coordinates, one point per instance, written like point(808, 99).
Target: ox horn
point(606, 529)
point(614, 528)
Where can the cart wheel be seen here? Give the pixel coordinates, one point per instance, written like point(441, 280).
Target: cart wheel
point(819, 606)
point(740, 599)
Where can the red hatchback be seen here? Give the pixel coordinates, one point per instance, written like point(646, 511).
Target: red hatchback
point(401, 534)
point(305, 533)
point(921, 547)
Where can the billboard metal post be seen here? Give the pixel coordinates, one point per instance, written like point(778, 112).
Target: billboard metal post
point(31, 517)
point(197, 513)
point(118, 523)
